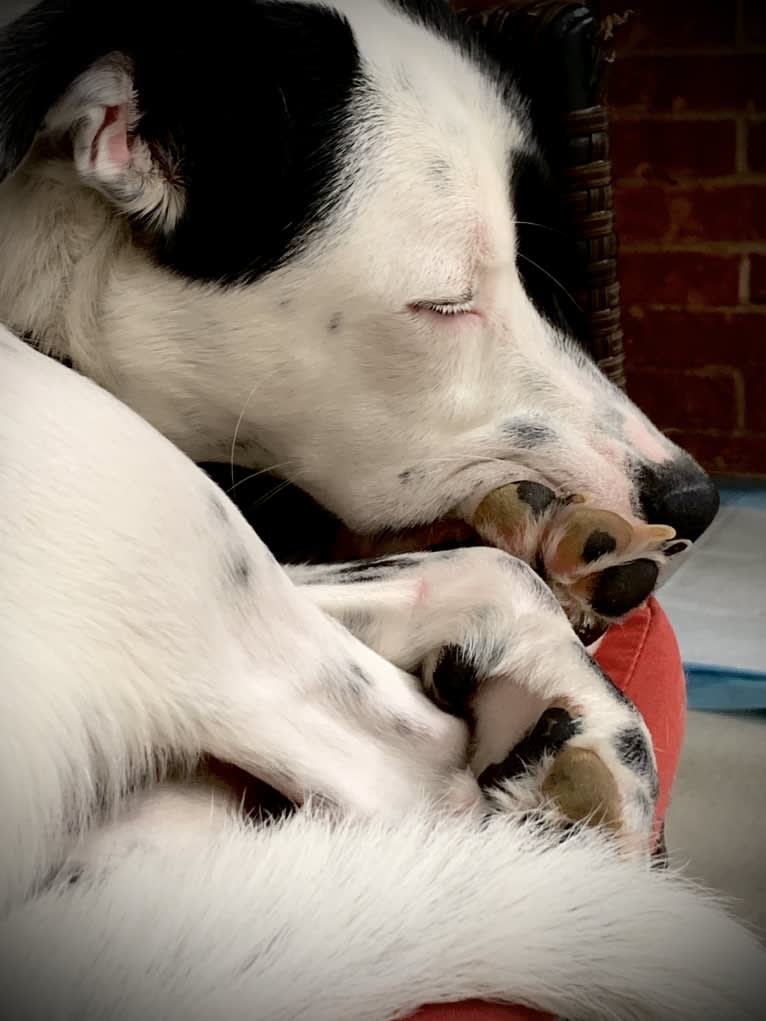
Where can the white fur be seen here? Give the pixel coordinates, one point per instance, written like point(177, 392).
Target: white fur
point(131, 637)
point(123, 638)
point(319, 921)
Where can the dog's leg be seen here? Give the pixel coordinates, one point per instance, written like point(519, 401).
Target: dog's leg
point(495, 648)
point(324, 920)
point(141, 620)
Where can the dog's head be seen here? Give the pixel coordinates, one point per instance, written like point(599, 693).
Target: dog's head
point(295, 235)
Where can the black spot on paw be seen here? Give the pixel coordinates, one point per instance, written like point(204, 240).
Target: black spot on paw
point(537, 497)
point(598, 544)
point(455, 679)
point(551, 732)
point(633, 751)
point(622, 588)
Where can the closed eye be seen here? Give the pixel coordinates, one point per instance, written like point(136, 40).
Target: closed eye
point(445, 306)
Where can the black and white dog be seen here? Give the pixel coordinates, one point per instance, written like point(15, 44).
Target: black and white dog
point(286, 235)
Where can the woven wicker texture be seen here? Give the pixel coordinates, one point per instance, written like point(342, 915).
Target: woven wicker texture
point(565, 35)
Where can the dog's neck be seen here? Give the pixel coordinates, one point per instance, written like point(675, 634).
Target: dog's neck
point(59, 242)
point(73, 283)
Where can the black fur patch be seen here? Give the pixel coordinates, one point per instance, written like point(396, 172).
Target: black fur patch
point(526, 435)
point(633, 752)
point(334, 324)
point(455, 679)
point(598, 544)
point(375, 570)
point(252, 103)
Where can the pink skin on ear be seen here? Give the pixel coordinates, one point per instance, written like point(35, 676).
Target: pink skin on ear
point(110, 144)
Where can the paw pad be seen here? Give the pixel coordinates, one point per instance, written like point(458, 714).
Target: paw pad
point(583, 789)
point(599, 564)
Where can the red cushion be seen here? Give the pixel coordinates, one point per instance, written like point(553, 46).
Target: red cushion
point(642, 657)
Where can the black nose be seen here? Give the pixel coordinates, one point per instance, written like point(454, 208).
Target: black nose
point(678, 493)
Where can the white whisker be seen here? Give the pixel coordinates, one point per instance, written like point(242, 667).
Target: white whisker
point(550, 277)
point(236, 431)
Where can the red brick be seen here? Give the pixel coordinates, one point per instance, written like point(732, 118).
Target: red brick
point(665, 84)
point(719, 213)
point(755, 399)
point(657, 24)
point(701, 399)
point(754, 22)
point(756, 145)
point(679, 278)
point(667, 151)
point(693, 339)
point(758, 279)
point(725, 453)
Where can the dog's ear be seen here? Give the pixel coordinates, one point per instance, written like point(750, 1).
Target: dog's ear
point(63, 77)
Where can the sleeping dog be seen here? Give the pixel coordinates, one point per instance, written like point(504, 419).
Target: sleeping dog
point(289, 236)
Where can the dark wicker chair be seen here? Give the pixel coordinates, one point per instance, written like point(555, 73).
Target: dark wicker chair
point(558, 51)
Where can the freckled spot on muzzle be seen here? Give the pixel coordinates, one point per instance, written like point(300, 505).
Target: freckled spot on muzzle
point(525, 434)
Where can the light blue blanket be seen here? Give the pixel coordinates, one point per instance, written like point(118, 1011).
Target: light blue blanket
point(717, 604)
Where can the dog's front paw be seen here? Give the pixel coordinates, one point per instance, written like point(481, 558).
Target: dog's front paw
point(599, 565)
point(564, 776)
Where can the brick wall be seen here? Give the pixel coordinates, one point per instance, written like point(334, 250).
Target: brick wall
point(688, 107)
